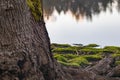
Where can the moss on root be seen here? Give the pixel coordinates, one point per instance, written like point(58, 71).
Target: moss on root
point(36, 8)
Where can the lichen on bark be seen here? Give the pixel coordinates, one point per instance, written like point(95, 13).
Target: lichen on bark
point(36, 8)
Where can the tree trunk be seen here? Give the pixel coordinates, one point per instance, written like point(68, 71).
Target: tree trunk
point(24, 44)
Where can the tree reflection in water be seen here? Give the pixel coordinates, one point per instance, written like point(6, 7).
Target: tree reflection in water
point(84, 8)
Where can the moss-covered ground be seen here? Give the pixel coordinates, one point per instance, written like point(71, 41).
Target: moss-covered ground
point(83, 55)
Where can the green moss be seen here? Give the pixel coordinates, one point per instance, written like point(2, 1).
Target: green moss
point(64, 50)
point(95, 57)
point(91, 50)
point(113, 49)
point(79, 60)
point(70, 56)
point(36, 8)
point(116, 55)
point(117, 63)
point(89, 54)
point(71, 60)
point(60, 58)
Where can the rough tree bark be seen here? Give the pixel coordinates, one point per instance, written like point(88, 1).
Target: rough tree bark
point(24, 44)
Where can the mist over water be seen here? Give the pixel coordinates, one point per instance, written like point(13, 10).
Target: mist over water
point(83, 21)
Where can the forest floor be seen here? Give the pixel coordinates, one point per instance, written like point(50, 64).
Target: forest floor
point(101, 61)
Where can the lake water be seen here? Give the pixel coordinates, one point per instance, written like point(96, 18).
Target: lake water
point(83, 21)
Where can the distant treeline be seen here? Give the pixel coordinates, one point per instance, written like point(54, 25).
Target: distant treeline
point(79, 8)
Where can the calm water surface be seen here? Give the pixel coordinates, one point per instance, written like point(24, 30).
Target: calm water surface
point(83, 21)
